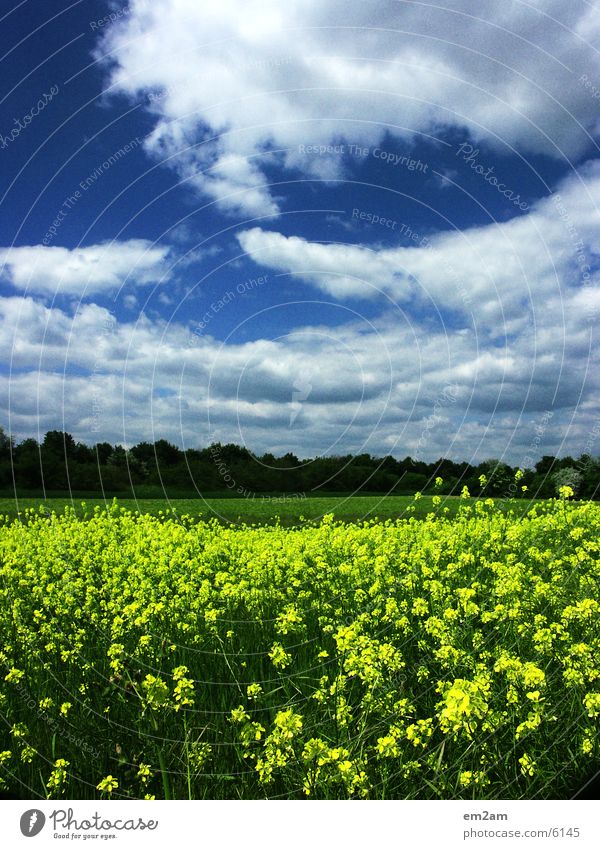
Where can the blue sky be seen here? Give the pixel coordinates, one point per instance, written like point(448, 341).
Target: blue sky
point(317, 227)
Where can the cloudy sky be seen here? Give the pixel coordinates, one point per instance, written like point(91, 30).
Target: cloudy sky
point(320, 227)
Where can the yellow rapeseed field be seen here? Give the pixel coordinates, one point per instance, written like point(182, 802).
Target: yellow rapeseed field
point(156, 657)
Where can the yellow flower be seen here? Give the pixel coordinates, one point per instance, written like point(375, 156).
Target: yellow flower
point(592, 704)
point(464, 702)
point(527, 765)
point(253, 691)
point(184, 688)
point(144, 773)
point(156, 692)
point(58, 776)
point(288, 723)
point(388, 747)
point(14, 676)
point(279, 657)
point(107, 785)
point(239, 715)
point(27, 754)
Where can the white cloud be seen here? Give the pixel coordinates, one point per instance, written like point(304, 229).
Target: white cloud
point(130, 302)
point(505, 276)
point(84, 271)
point(244, 78)
point(401, 387)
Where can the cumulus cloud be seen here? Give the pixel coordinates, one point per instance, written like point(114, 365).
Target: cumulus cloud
point(506, 276)
point(255, 78)
point(84, 271)
point(397, 387)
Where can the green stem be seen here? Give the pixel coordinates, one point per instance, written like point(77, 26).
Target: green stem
point(165, 775)
point(187, 757)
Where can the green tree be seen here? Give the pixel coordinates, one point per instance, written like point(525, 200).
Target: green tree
point(499, 477)
point(7, 447)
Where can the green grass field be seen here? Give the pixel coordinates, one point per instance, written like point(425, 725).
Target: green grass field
point(288, 510)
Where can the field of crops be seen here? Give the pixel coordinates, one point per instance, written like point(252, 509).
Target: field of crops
point(455, 657)
point(287, 510)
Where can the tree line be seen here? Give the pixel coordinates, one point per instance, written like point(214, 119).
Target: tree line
point(60, 464)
